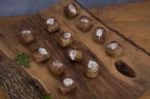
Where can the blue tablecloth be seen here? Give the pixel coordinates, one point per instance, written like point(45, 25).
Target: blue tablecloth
point(22, 7)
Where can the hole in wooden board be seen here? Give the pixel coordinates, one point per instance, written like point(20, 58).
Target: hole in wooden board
point(124, 69)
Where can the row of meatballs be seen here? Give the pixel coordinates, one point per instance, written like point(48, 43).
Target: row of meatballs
point(66, 39)
point(99, 36)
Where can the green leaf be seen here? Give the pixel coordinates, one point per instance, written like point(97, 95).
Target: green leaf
point(47, 97)
point(23, 59)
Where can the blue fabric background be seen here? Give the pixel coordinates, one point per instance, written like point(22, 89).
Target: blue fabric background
point(22, 7)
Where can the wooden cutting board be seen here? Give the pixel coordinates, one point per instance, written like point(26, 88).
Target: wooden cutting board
point(110, 82)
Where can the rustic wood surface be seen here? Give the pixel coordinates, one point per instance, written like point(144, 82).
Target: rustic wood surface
point(110, 82)
point(132, 20)
point(17, 83)
point(4, 21)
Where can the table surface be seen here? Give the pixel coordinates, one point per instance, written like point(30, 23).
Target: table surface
point(132, 20)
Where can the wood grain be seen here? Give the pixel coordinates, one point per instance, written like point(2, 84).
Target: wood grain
point(131, 20)
point(110, 83)
point(17, 83)
point(4, 21)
